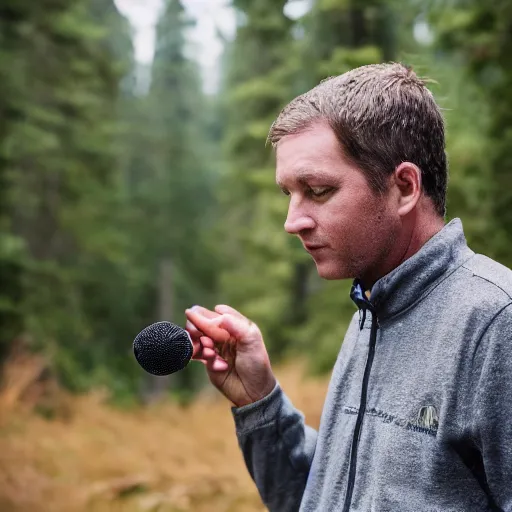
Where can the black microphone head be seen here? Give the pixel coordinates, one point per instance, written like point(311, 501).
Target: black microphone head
point(162, 348)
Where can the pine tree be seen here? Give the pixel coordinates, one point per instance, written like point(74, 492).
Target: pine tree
point(11, 247)
point(60, 173)
point(476, 36)
point(344, 35)
point(171, 181)
point(260, 70)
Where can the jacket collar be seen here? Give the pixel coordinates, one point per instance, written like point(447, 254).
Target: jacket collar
point(417, 276)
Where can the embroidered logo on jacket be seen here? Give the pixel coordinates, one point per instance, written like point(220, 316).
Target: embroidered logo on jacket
point(426, 421)
point(427, 417)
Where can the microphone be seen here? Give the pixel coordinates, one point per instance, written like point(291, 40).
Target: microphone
point(163, 348)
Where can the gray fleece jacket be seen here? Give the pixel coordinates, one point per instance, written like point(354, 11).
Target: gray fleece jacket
point(418, 415)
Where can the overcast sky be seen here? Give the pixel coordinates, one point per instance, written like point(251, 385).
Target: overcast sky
point(210, 15)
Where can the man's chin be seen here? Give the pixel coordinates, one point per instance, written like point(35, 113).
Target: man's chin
point(332, 272)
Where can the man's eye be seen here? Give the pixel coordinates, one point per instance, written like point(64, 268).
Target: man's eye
point(319, 191)
point(285, 192)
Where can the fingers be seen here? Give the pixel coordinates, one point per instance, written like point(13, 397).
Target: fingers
point(208, 326)
point(194, 332)
point(206, 354)
point(235, 323)
point(225, 327)
point(200, 321)
point(207, 342)
point(220, 309)
point(223, 309)
point(203, 311)
point(237, 326)
point(199, 346)
point(197, 349)
point(217, 365)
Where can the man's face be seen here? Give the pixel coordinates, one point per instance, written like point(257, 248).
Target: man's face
point(348, 229)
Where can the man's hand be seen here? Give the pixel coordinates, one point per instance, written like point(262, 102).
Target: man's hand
point(233, 351)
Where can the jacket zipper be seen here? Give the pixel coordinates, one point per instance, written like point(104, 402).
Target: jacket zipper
point(360, 414)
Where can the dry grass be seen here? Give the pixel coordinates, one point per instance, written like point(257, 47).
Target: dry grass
point(162, 458)
point(21, 370)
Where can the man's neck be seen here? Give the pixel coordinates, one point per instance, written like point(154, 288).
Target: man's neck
point(422, 230)
point(420, 235)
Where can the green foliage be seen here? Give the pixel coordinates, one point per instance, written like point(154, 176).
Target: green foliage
point(102, 187)
point(478, 35)
point(56, 156)
point(170, 181)
point(344, 35)
point(259, 277)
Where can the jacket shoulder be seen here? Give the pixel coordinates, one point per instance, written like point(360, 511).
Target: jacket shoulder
point(494, 275)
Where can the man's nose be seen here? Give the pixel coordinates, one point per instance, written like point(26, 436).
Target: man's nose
point(297, 220)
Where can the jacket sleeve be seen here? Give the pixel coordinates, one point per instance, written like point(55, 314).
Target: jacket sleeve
point(278, 449)
point(490, 408)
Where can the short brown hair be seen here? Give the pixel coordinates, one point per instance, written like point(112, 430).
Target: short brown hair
point(382, 115)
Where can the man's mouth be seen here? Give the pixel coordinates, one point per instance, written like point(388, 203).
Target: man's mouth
point(313, 247)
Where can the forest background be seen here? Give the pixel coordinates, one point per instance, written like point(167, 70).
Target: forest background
point(129, 192)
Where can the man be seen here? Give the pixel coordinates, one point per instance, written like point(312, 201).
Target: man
point(418, 411)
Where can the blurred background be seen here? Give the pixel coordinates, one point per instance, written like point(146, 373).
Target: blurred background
point(135, 182)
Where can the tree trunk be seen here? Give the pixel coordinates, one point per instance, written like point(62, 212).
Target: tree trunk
point(155, 386)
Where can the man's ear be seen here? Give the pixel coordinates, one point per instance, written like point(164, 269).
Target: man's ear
point(407, 178)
